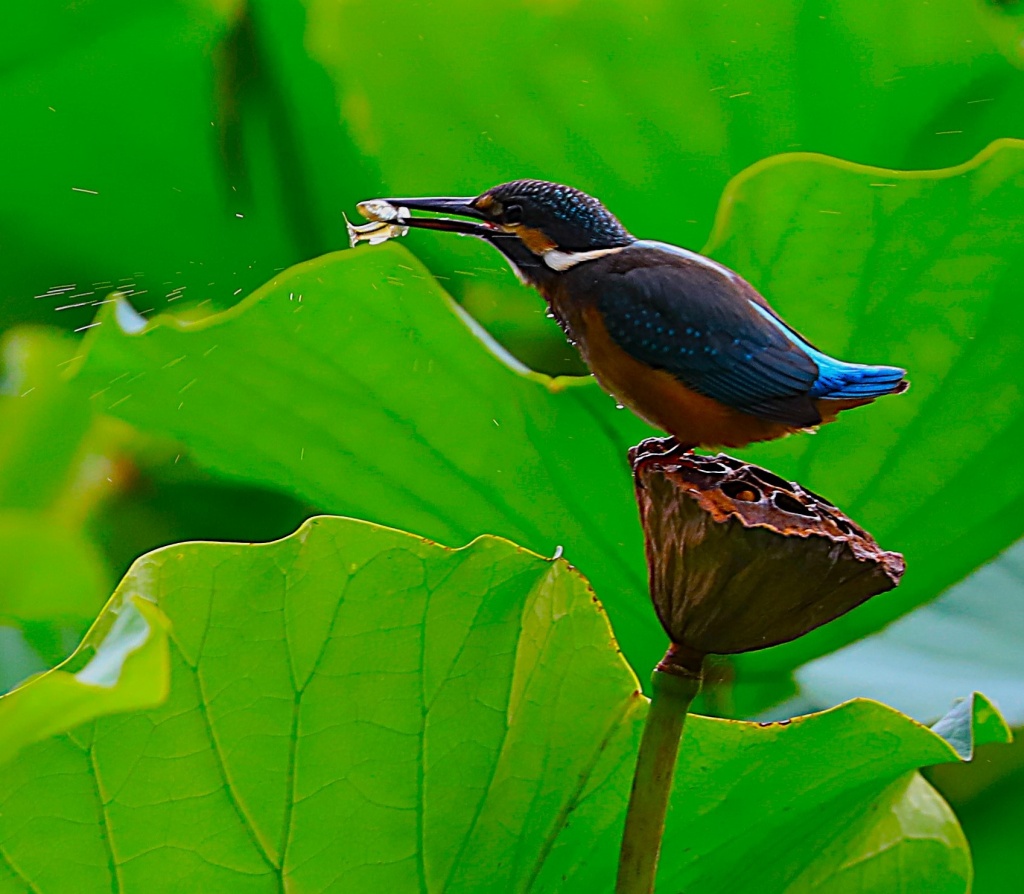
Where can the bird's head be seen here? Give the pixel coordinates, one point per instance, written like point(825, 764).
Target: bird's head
point(542, 228)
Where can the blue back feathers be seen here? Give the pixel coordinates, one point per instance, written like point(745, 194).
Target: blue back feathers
point(838, 380)
point(695, 321)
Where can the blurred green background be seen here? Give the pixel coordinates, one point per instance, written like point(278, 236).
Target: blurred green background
point(182, 153)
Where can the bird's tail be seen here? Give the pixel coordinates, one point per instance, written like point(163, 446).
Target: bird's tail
point(854, 381)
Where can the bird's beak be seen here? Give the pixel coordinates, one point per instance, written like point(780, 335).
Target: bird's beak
point(459, 206)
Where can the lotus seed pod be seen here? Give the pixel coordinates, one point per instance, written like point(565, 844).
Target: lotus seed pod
point(741, 559)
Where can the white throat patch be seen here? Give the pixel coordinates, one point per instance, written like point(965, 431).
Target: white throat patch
point(563, 260)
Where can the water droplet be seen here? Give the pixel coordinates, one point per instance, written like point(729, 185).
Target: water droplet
point(619, 407)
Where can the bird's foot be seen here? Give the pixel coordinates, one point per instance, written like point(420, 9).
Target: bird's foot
point(668, 446)
point(672, 445)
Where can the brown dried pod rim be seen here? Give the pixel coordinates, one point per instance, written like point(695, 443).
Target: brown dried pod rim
point(731, 492)
point(727, 487)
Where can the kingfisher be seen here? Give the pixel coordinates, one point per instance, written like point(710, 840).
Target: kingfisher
point(683, 341)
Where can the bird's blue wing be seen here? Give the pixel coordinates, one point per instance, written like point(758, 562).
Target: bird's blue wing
point(706, 328)
point(837, 379)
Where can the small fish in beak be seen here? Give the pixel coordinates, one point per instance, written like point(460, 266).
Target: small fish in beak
point(385, 222)
point(391, 217)
point(381, 210)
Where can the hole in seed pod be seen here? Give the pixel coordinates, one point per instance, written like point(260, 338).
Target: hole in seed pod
point(816, 497)
point(844, 526)
point(838, 520)
point(766, 477)
point(791, 504)
point(713, 468)
point(740, 490)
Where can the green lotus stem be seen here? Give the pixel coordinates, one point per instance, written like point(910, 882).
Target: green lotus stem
point(674, 685)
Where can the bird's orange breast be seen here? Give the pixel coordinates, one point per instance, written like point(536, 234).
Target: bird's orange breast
point(660, 398)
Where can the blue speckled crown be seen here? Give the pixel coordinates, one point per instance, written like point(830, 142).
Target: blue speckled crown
point(573, 219)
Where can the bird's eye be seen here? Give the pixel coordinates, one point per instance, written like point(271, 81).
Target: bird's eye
point(512, 214)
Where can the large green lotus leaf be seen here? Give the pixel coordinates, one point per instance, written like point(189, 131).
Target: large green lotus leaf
point(921, 270)
point(81, 496)
point(61, 466)
point(121, 665)
point(651, 106)
point(970, 638)
point(987, 796)
point(905, 840)
point(355, 708)
point(352, 382)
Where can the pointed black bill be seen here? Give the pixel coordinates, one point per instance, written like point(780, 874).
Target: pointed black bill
point(441, 205)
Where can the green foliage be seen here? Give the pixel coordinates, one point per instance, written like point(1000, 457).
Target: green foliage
point(50, 571)
point(1004, 20)
point(593, 104)
point(38, 407)
point(121, 665)
point(157, 151)
point(185, 151)
point(651, 106)
point(81, 495)
point(919, 269)
point(351, 382)
point(966, 639)
point(54, 466)
point(357, 708)
point(992, 821)
point(185, 113)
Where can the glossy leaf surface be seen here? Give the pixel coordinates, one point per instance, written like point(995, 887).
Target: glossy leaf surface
point(356, 708)
point(352, 382)
point(122, 665)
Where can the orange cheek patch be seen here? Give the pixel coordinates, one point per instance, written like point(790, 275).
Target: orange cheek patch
point(534, 240)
